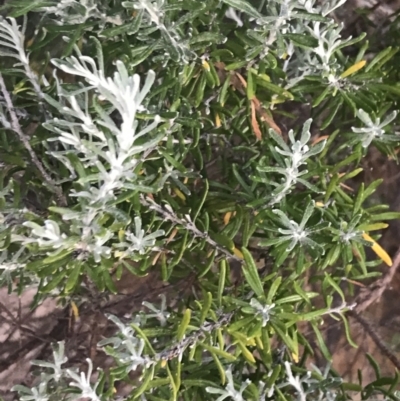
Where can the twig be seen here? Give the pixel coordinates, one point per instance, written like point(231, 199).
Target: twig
point(168, 214)
point(366, 298)
point(178, 348)
point(15, 125)
point(374, 292)
point(376, 338)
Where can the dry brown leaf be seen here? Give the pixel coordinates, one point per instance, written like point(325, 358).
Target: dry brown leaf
point(241, 79)
point(265, 117)
point(254, 122)
point(355, 282)
point(319, 139)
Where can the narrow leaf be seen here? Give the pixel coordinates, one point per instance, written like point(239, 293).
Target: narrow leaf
point(250, 272)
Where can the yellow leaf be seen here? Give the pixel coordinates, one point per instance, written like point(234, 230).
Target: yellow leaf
point(295, 357)
point(354, 68)
point(374, 226)
point(206, 66)
point(319, 204)
point(74, 310)
point(217, 120)
point(246, 353)
point(251, 341)
point(227, 218)
point(163, 363)
point(378, 250)
point(237, 253)
point(179, 194)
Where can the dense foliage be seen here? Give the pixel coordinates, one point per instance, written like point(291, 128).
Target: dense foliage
point(209, 140)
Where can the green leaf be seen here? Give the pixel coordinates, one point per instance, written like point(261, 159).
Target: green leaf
point(386, 88)
point(359, 199)
point(251, 275)
point(224, 91)
point(172, 383)
point(349, 101)
point(332, 114)
point(57, 256)
point(205, 307)
point(322, 96)
point(145, 382)
point(221, 281)
point(73, 277)
point(333, 183)
point(31, 5)
point(54, 282)
point(212, 37)
point(273, 289)
point(184, 324)
point(143, 336)
point(354, 156)
point(347, 330)
point(108, 281)
point(240, 324)
point(374, 365)
point(389, 51)
point(302, 40)
point(284, 336)
point(139, 58)
point(274, 376)
point(128, 29)
point(202, 200)
point(312, 17)
point(223, 240)
point(310, 316)
point(200, 382)
point(250, 90)
point(274, 88)
point(294, 298)
point(371, 189)
point(200, 90)
point(209, 263)
point(321, 342)
point(218, 352)
point(385, 216)
point(220, 368)
point(244, 7)
point(352, 41)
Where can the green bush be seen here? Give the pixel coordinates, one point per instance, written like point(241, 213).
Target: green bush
point(202, 142)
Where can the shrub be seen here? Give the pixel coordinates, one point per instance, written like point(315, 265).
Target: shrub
point(206, 144)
